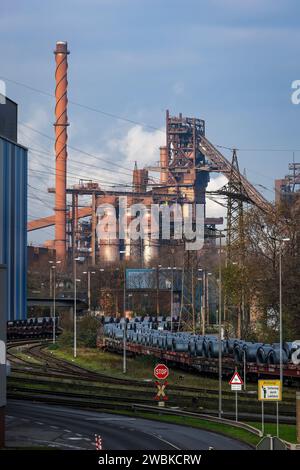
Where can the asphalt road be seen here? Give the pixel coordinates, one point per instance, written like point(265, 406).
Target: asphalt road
point(37, 424)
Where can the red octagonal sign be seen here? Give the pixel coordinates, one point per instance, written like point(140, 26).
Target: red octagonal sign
point(161, 371)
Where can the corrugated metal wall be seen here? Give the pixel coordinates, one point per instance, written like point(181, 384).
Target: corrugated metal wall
point(2, 337)
point(13, 220)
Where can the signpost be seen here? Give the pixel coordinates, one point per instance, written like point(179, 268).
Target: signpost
point(161, 372)
point(236, 386)
point(161, 394)
point(269, 390)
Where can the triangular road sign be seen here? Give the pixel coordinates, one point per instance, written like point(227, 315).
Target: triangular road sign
point(236, 379)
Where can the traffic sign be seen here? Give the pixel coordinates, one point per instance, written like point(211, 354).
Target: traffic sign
point(236, 382)
point(161, 371)
point(269, 390)
point(161, 394)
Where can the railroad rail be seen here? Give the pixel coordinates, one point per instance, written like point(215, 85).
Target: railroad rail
point(57, 381)
point(205, 365)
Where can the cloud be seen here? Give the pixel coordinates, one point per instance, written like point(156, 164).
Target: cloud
point(214, 209)
point(139, 145)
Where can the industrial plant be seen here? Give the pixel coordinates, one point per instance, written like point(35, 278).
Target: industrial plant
point(158, 313)
point(185, 164)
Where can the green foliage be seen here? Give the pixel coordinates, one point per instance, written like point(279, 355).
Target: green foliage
point(87, 328)
point(87, 332)
point(66, 339)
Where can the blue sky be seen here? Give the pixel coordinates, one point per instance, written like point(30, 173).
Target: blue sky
point(230, 62)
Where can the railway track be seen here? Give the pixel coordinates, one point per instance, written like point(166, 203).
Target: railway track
point(97, 390)
point(55, 367)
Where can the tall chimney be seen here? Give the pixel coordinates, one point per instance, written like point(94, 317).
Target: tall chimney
point(164, 164)
point(61, 53)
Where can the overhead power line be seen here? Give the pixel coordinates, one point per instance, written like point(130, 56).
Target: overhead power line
point(84, 106)
point(133, 121)
point(83, 152)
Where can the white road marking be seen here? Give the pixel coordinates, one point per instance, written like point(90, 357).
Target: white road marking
point(110, 419)
point(164, 440)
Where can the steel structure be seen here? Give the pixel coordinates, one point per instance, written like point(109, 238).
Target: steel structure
point(287, 189)
point(220, 164)
point(236, 197)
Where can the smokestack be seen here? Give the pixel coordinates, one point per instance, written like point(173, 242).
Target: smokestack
point(61, 53)
point(139, 179)
point(135, 178)
point(164, 164)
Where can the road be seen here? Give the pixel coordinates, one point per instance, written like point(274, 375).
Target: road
point(66, 428)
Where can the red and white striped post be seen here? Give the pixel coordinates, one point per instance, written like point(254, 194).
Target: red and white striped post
point(98, 442)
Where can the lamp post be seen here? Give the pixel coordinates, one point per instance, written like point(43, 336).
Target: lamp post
point(157, 290)
point(220, 323)
point(101, 270)
point(172, 295)
point(124, 316)
point(89, 288)
point(201, 316)
point(75, 307)
point(281, 241)
point(220, 235)
point(53, 285)
point(208, 276)
point(50, 286)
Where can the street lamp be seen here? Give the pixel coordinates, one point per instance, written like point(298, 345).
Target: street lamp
point(201, 319)
point(89, 287)
point(172, 295)
point(281, 241)
point(220, 235)
point(101, 270)
point(157, 290)
point(75, 306)
point(124, 315)
point(53, 269)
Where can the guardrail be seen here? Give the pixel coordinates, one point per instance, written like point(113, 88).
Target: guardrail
point(215, 419)
point(292, 446)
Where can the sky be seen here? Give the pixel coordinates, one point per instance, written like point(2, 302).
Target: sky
point(229, 62)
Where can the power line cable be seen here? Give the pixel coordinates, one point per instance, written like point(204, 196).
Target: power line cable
point(133, 121)
point(84, 106)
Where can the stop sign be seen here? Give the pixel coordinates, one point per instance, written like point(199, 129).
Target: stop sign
point(161, 371)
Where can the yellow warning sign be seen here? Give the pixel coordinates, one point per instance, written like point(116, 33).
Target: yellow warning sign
point(269, 390)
